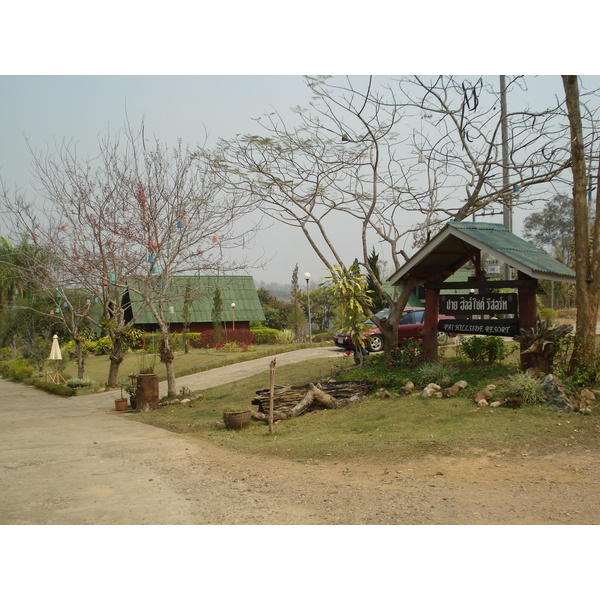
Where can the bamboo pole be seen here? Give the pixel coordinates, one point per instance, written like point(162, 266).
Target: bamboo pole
point(271, 395)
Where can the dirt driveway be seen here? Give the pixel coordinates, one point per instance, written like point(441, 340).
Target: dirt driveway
point(73, 461)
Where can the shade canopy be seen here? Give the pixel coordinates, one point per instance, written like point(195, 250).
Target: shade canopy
point(55, 353)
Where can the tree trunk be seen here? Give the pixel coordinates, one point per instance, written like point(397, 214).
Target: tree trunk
point(167, 356)
point(586, 251)
point(80, 358)
point(116, 358)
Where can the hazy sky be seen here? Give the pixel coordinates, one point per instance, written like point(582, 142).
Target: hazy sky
point(45, 110)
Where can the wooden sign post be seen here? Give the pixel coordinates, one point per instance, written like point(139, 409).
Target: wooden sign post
point(271, 395)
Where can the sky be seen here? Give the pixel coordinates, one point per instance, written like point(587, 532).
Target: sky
point(42, 111)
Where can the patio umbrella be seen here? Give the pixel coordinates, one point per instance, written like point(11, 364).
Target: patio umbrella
point(55, 353)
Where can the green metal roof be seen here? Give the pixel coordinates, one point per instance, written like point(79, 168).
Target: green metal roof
point(413, 301)
point(238, 289)
point(453, 246)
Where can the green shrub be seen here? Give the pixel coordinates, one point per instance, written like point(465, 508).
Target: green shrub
point(19, 371)
point(265, 335)
point(444, 374)
point(77, 383)
point(5, 353)
point(411, 353)
point(548, 315)
point(484, 349)
point(53, 388)
point(285, 336)
point(524, 386)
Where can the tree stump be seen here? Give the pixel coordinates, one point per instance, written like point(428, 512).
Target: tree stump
point(147, 392)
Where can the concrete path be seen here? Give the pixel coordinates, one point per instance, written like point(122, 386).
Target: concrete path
point(70, 461)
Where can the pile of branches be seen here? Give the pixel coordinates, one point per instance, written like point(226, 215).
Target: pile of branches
point(292, 401)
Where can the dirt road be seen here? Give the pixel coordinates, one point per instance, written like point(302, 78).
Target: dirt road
point(73, 461)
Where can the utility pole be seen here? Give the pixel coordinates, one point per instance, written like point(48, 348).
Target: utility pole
point(507, 212)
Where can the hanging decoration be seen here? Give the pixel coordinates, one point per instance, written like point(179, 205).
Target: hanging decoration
point(65, 304)
point(151, 258)
point(180, 224)
point(155, 270)
point(422, 159)
point(112, 277)
point(171, 309)
point(516, 188)
point(215, 239)
point(57, 310)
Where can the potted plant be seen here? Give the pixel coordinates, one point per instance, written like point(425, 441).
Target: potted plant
point(121, 403)
point(236, 419)
point(146, 393)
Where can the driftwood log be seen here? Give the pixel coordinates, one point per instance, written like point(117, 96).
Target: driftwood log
point(293, 401)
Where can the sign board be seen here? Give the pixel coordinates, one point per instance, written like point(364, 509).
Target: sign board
point(479, 304)
point(500, 327)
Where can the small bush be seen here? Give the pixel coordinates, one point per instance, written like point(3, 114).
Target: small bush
point(548, 315)
point(5, 353)
point(78, 383)
point(19, 372)
point(285, 336)
point(524, 386)
point(53, 388)
point(411, 353)
point(443, 374)
point(484, 349)
point(265, 335)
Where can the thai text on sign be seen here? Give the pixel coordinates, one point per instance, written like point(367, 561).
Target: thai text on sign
point(478, 304)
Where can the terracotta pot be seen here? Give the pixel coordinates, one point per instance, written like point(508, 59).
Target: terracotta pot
point(121, 404)
point(237, 419)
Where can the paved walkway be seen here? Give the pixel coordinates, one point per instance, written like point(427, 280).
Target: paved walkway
point(70, 461)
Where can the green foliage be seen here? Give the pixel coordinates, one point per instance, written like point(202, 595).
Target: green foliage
point(286, 336)
point(265, 335)
point(296, 318)
point(5, 353)
point(548, 315)
point(411, 353)
point(348, 288)
point(379, 302)
point(79, 383)
point(19, 371)
point(53, 388)
point(484, 349)
point(587, 373)
point(217, 312)
point(524, 386)
point(442, 373)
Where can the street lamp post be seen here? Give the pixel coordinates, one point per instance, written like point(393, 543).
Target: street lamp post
point(233, 316)
point(307, 277)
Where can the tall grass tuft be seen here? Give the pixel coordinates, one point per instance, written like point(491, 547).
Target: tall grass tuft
point(526, 387)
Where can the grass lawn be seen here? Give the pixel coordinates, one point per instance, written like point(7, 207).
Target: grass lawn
point(381, 430)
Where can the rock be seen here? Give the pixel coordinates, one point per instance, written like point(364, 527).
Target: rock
point(496, 404)
point(451, 391)
point(434, 386)
point(482, 402)
point(585, 401)
point(406, 389)
point(383, 393)
point(556, 396)
point(462, 384)
point(428, 392)
point(438, 395)
point(490, 387)
point(482, 397)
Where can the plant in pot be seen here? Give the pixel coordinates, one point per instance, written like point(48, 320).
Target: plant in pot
point(121, 403)
point(236, 419)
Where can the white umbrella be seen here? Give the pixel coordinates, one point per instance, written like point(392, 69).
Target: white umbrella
point(55, 353)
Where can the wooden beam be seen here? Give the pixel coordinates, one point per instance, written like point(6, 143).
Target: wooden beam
point(478, 285)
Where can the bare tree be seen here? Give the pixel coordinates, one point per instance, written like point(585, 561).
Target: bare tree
point(586, 242)
point(391, 165)
point(127, 221)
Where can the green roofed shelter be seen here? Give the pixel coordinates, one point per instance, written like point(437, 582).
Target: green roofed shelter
point(459, 242)
point(235, 289)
